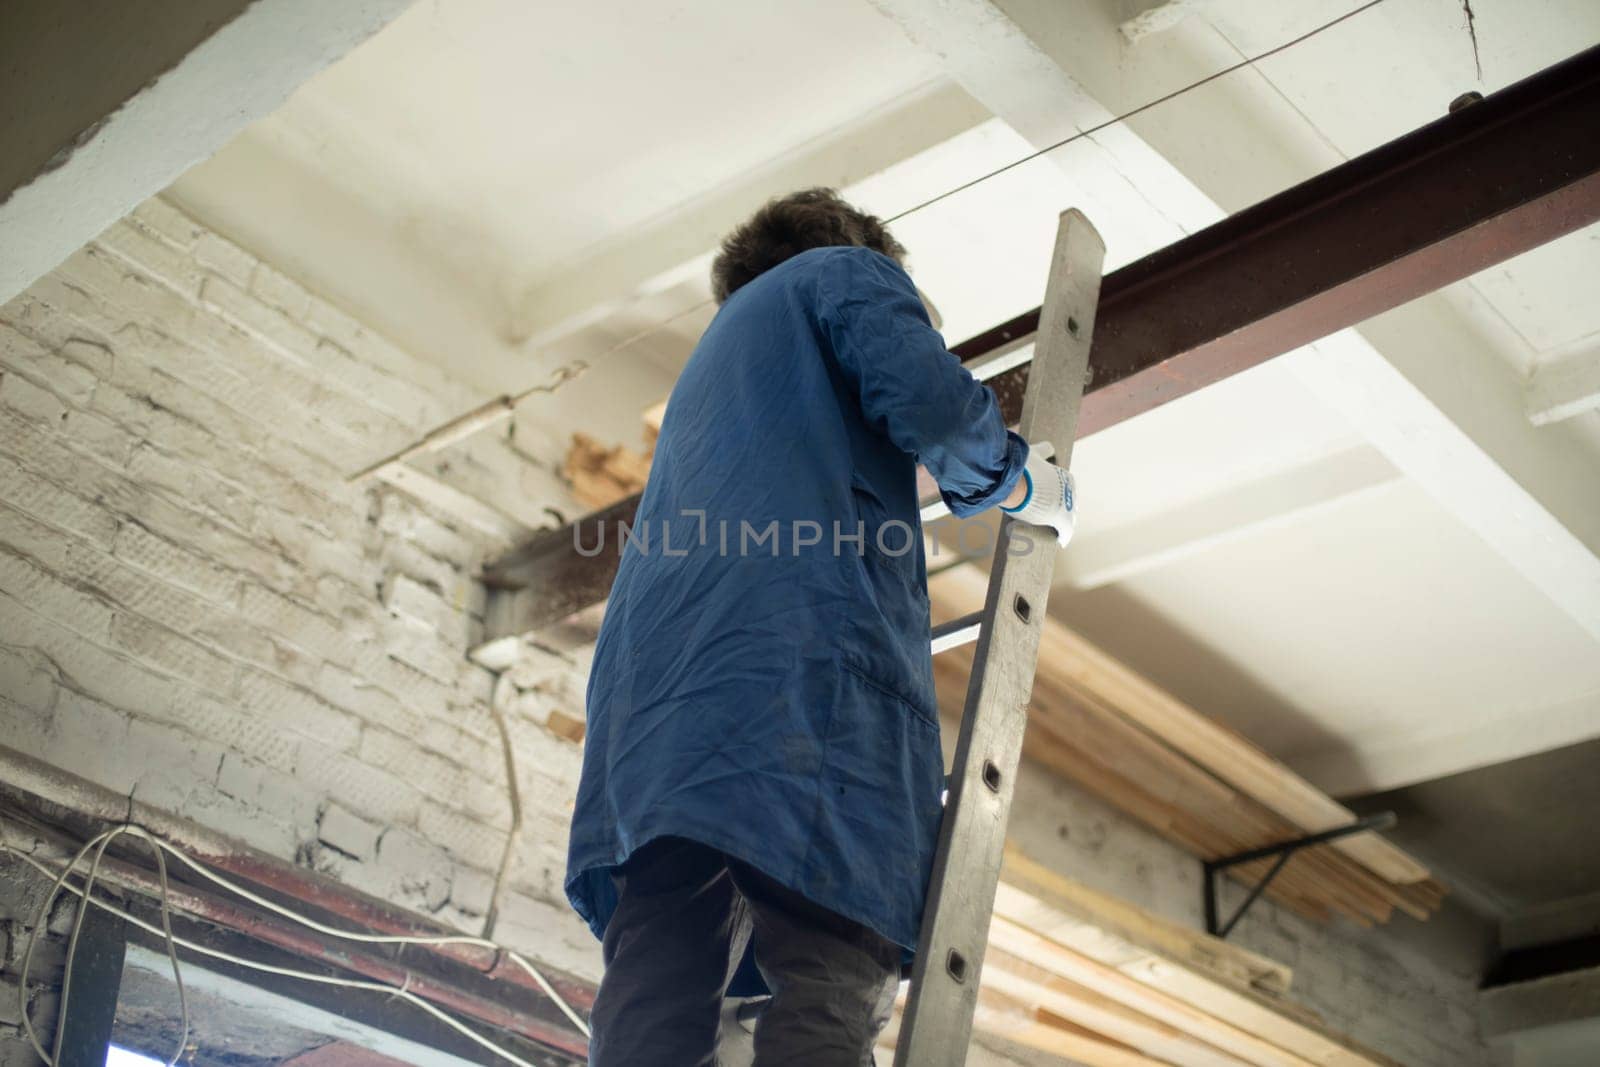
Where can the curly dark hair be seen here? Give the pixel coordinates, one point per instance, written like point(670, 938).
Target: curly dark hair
point(789, 225)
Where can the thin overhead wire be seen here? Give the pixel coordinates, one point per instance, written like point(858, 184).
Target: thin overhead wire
point(1040, 153)
point(1126, 115)
point(511, 401)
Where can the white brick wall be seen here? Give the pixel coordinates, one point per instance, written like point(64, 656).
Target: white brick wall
point(196, 609)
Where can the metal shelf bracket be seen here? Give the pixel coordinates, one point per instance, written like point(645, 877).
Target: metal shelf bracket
point(1283, 850)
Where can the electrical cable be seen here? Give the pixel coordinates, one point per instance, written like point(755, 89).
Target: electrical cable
point(1126, 115)
point(288, 972)
point(98, 843)
point(162, 847)
point(510, 402)
point(502, 684)
point(383, 939)
point(101, 841)
point(1030, 157)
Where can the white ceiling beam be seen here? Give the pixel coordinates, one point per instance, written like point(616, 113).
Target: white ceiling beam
point(1569, 997)
point(1161, 16)
point(1472, 737)
point(1551, 921)
point(1419, 382)
point(998, 62)
point(186, 79)
point(1275, 499)
point(1565, 389)
point(659, 255)
point(1429, 394)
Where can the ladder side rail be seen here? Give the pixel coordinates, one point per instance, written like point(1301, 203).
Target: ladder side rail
point(937, 1027)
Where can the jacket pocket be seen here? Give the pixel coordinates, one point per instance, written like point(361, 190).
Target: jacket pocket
point(889, 541)
point(890, 649)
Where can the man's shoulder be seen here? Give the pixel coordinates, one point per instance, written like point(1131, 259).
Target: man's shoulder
point(821, 277)
point(836, 272)
point(843, 257)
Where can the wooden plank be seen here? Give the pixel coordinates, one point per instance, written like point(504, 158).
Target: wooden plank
point(1079, 736)
point(1075, 664)
point(1238, 1021)
point(1045, 1031)
point(653, 416)
point(1040, 987)
point(1259, 1015)
point(1036, 1028)
point(1114, 931)
point(1225, 821)
point(1113, 967)
point(600, 476)
point(1155, 1004)
point(1175, 824)
point(1120, 1003)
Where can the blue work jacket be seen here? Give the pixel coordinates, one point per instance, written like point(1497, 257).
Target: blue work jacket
point(762, 681)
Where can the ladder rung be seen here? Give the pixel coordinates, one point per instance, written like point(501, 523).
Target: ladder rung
point(957, 632)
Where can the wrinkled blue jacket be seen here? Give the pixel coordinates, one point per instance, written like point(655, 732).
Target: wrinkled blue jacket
point(762, 681)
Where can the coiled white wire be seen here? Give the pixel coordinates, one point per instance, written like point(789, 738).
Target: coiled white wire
point(98, 844)
point(161, 848)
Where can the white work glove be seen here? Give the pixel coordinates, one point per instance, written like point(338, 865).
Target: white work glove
point(1050, 494)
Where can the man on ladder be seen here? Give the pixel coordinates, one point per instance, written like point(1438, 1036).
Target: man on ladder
point(763, 768)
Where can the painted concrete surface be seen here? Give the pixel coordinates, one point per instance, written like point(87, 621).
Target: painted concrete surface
point(108, 102)
point(1259, 629)
point(490, 150)
point(67, 69)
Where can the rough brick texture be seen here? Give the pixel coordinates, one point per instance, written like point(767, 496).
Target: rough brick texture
point(196, 609)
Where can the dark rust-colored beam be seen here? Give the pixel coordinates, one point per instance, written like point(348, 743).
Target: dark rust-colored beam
point(461, 991)
point(1494, 179)
point(96, 985)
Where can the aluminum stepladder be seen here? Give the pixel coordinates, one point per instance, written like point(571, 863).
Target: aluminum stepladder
point(937, 1025)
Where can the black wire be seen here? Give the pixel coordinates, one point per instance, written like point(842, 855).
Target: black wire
point(1130, 114)
point(964, 186)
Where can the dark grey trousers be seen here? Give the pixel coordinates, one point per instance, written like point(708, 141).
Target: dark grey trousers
point(685, 916)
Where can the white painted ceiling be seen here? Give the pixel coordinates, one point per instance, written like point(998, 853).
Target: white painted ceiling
point(482, 163)
point(1408, 63)
point(542, 129)
point(496, 141)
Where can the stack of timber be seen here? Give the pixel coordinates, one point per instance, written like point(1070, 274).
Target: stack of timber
point(601, 476)
point(1098, 981)
point(1187, 777)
